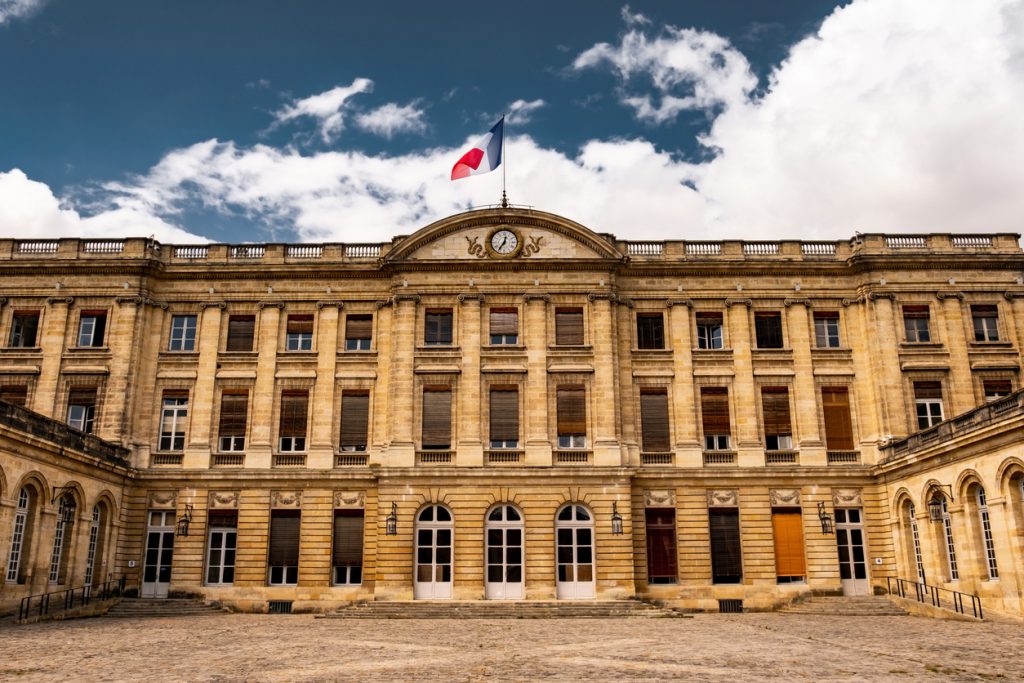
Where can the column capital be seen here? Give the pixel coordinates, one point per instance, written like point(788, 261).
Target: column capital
point(949, 295)
point(729, 303)
point(381, 303)
point(624, 301)
point(3, 300)
point(872, 296)
point(270, 304)
point(330, 304)
point(803, 301)
point(60, 300)
point(409, 297)
point(855, 300)
point(537, 296)
point(1010, 296)
point(471, 296)
point(601, 296)
point(679, 302)
point(213, 304)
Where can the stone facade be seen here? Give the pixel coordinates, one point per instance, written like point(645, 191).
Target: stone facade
point(654, 329)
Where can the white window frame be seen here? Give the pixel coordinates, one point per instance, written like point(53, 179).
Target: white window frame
point(18, 536)
point(988, 328)
point(81, 417)
point(224, 530)
point(572, 441)
point(232, 444)
point(826, 332)
point(933, 413)
point(292, 444)
point(175, 409)
point(913, 330)
point(986, 535)
point(717, 442)
point(87, 329)
point(711, 337)
point(778, 442)
point(298, 341)
point(183, 333)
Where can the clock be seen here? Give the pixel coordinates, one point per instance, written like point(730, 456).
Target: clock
point(504, 243)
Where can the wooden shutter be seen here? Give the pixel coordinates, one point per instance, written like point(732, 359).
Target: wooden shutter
point(18, 395)
point(775, 402)
point(358, 327)
point(284, 538)
point(241, 329)
point(300, 324)
point(82, 396)
point(572, 411)
point(294, 407)
point(835, 403)
point(504, 321)
point(348, 538)
point(569, 326)
point(438, 326)
point(928, 390)
point(661, 544)
point(233, 408)
point(654, 421)
point(985, 310)
point(714, 408)
point(726, 557)
point(222, 519)
point(789, 543)
point(768, 330)
point(355, 416)
point(437, 417)
point(505, 414)
point(915, 311)
point(995, 386)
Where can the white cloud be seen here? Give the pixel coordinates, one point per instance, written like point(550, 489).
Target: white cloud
point(329, 108)
point(521, 111)
point(632, 18)
point(18, 9)
point(391, 118)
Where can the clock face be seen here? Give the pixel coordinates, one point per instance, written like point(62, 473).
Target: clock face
point(504, 242)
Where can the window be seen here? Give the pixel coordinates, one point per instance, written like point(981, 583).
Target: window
point(835, 403)
point(358, 332)
point(714, 408)
point(504, 326)
point(826, 330)
point(768, 330)
point(437, 417)
point(915, 540)
point(997, 388)
point(91, 327)
point(21, 535)
point(569, 326)
point(661, 545)
point(82, 408)
point(787, 531)
point(347, 555)
point(572, 417)
point(172, 422)
point(504, 417)
point(234, 406)
point(654, 421)
point(986, 534)
point(16, 394)
point(299, 335)
point(928, 400)
point(650, 331)
point(355, 416)
point(986, 323)
point(709, 331)
point(292, 432)
point(221, 543)
point(778, 434)
point(24, 328)
point(947, 532)
point(915, 324)
point(241, 329)
point(437, 329)
point(283, 558)
point(183, 333)
point(62, 540)
point(726, 557)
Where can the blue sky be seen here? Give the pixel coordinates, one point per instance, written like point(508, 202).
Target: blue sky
point(317, 120)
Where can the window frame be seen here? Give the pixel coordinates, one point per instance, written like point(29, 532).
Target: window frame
point(174, 406)
point(706, 333)
point(917, 312)
point(827, 334)
point(436, 337)
point(650, 339)
point(16, 337)
point(358, 343)
point(769, 343)
point(988, 331)
point(299, 341)
point(95, 340)
point(180, 341)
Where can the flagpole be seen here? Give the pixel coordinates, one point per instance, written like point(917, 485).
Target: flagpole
point(504, 163)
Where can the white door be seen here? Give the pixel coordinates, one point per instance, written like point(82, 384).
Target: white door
point(434, 531)
point(574, 538)
point(156, 567)
point(504, 531)
point(853, 562)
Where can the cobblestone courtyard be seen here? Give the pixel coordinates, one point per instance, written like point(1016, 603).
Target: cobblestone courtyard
point(707, 647)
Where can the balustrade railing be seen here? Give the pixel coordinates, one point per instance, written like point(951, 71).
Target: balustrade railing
point(760, 248)
point(972, 241)
point(703, 248)
point(191, 252)
point(304, 251)
point(818, 248)
point(248, 251)
point(103, 246)
point(38, 247)
point(644, 248)
point(906, 241)
point(362, 250)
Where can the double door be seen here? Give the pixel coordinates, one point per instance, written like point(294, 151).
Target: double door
point(156, 565)
point(853, 561)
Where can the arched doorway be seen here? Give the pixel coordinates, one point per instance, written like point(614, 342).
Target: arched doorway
point(433, 571)
point(574, 538)
point(21, 535)
point(63, 539)
point(504, 553)
point(94, 556)
point(916, 558)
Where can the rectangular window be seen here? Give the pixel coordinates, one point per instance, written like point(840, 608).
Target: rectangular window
point(173, 417)
point(16, 394)
point(650, 331)
point(504, 417)
point(778, 434)
point(826, 330)
point(709, 331)
point(358, 332)
point(82, 408)
point(504, 326)
point(726, 555)
point(986, 323)
point(283, 557)
point(183, 333)
point(221, 543)
point(714, 408)
point(928, 400)
point(654, 421)
point(768, 330)
point(437, 329)
point(787, 530)
point(241, 329)
point(24, 329)
point(661, 545)
point(915, 324)
point(347, 554)
point(437, 418)
point(355, 417)
point(234, 406)
point(294, 410)
point(572, 417)
point(91, 328)
point(569, 326)
point(835, 403)
point(299, 335)
point(997, 388)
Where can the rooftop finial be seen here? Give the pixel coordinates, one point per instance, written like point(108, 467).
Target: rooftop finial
point(504, 200)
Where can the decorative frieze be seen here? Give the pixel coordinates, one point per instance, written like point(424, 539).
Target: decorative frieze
point(847, 498)
point(349, 500)
point(660, 499)
point(723, 498)
point(286, 500)
point(223, 500)
point(784, 497)
point(162, 500)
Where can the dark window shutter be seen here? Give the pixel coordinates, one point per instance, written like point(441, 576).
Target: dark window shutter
point(569, 326)
point(300, 324)
point(995, 386)
point(915, 311)
point(572, 411)
point(768, 329)
point(284, 538)
point(928, 390)
point(82, 396)
point(661, 543)
point(505, 414)
point(726, 555)
point(241, 329)
point(714, 407)
point(294, 407)
point(18, 395)
point(438, 326)
point(504, 321)
point(358, 327)
point(835, 403)
point(654, 421)
point(775, 402)
point(233, 408)
point(985, 310)
point(437, 418)
point(650, 331)
point(355, 415)
point(222, 519)
point(348, 538)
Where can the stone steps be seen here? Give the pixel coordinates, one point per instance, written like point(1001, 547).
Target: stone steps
point(854, 606)
point(493, 609)
point(145, 608)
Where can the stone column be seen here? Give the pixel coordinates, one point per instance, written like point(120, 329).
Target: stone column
point(961, 387)
point(470, 447)
point(43, 535)
point(883, 340)
point(538, 441)
point(123, 346)
point(684, 414)
point(604, 399)
point(52, 345)
point(261, 429)
point(197, 454)
point(322, 409)
point(144, 411)
point(402, 451)
point(750, 452)
point(805, 400)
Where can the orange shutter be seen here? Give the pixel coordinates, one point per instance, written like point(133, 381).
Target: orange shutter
point(789, 543)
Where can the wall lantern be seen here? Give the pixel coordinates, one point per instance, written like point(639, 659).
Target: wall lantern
point(391, 521)
point(937, 502)
point(185, 520)
point(616, 520)
point(66, 495)
point(824, 518)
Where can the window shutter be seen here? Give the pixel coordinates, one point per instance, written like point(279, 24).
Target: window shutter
point(233, 407)
point(348, 538)
point(504, 321)
point(437, 418)
point(241, 329)
point(985, 310)
point(18, 395)
point(300, 324)
point(438, 327)
point(768, 330)
point(661, 543)
point(726, 557)
point(358, 327)
point(775, 402)
point(1000, 386)
point(654, 421)
point(572, 411)
point(355, 415)
point(569, 326)
point(222, 519)
point(915, 311)
point(294, 407)
point(284, 538)
point(928, 390)
point(714, 406)
point(835, 403)
point(789, 543)
point(82, 396)
point(505, 414)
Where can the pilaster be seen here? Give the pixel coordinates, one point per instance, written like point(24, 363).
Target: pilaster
point(197, 455)
point(321, 448)
point(538, 443)
point(864, 404)
point(687, 446)
point(122, 354)
point(604, 399)
point(470, 450)
point(812, 448)
point(52, 345)
point(960, 388)
point(402, 451)
point(630, 442)
point(887, 364)
point(748, 439)
point(258, 454)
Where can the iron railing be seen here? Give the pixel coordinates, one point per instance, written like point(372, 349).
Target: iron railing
point(69, 598)
point(922, 592)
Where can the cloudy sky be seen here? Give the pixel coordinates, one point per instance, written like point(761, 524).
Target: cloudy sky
point(316, 120)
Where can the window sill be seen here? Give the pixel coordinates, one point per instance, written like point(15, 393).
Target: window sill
point(570, 348)
point(653, 352)
point(724, 349)
point(772, 350)
point(990, 344)
point(299, 354)
point(436, 347)
point(504, 347)
point(89, 349)
point(924, 346)
point(21, 349)
point(240, 355)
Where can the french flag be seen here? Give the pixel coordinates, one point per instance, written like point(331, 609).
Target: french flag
point(485, 156)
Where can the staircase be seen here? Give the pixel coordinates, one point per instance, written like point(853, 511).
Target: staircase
point(492, 609)
point(846, 606)
point(146, 608)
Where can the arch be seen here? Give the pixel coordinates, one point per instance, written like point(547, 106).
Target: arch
point(932, 487)
point(1009, 469)
point(3, 482)
point(29, 503)
point(964, 481)
point(899, 498)
point(433, 552)
point(575, 551)
point(36, 480)
point(106, 497)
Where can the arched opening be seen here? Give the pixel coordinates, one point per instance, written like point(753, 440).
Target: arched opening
point(939, 502)
point(94, 575)
point(912, 536)
point(63, 539)
point(504, 533)
point(22, 532)
point(435, 529)
point(574, 539)
point(981, 524)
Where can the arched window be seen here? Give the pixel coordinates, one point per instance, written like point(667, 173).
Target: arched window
point(96, 543)
point(21, 536)
point(986, 533)
point(915, 540)
point(504, 553)
point(62, 539)
point(574, 541)
point(947, 538)
point(434, 540)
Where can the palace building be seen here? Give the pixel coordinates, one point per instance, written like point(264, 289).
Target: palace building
point(508, 405)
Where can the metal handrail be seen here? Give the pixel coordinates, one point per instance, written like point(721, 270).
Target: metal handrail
point(85, 594)
point(922, 592)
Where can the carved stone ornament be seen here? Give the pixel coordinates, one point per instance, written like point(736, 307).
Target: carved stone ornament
point(783, 497)
point(330, 304)
point(213, 304)
point(163, 500)
point(280, 500)
point(847, 498)
point(791, 301)
point(270, 304)
point(531, 247)
point(949, 295)
point(729, 303)
point(349, 500)
point(660, 499)
point(723, 498)
point(223, 500)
